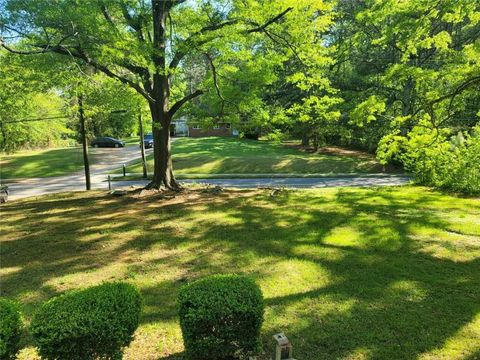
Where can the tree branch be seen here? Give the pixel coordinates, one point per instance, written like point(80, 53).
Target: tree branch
point(183, 101)
point(458, 90)
point(187, 44)
point(270, 22)
point(213, 27)
point(134, 23)
point(79, 54)
point(22, 52)
point(215, 81)
point(107, 16)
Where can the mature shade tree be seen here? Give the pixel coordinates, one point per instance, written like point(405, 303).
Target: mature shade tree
point(281, 85)
point(144, 43)
point(31, 110)
point(409, 72)
point(401, 64)
point(296, 98)
point(111, 109)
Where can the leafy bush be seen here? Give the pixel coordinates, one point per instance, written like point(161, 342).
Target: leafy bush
point(221, 317)
point(450, 164)
point(10, 329)
point(437, 159)
point(276, 136)
point(95, 323)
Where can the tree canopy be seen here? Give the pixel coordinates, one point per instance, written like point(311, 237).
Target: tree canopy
point(144, 44)
point(400, 78)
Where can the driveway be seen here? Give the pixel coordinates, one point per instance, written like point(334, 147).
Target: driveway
point(107, 159)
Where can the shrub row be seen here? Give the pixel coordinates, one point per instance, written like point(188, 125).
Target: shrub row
point(10, 329)
point(436, 158)
point(89, 324)
point(220, 318)
point(95, 323)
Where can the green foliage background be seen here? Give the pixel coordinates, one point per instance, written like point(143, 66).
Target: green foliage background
point(398, 78)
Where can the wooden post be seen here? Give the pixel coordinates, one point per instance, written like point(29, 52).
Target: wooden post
point(142, 144)
point(84, 142)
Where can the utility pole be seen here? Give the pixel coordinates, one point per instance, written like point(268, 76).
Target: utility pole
point(84, 142)
point(142, 144)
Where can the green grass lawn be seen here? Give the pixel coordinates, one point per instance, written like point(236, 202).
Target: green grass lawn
point(132, 140)
point(213, 155)
point(41, 163)
point(347, 273)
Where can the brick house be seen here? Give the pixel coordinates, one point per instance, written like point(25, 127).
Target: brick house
point(220, 129)
point(179, 128)
point(182, 128)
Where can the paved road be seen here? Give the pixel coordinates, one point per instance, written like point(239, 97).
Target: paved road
point(108, 159)
point(76, 182)
point(364, 180)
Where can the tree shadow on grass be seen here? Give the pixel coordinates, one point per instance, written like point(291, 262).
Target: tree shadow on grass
point(386, 296)
point(179, 356)
point(390, 316)
point(403, 301)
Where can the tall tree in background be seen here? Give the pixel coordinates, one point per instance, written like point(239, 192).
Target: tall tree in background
point(143, 43)
point(406, 64)
point(31, 108)
point(110, 108)
point(409, 72)
point(38, 103)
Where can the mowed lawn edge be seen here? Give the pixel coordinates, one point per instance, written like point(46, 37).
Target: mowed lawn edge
point(41, 163)
point(346, 273)
point(226, 155)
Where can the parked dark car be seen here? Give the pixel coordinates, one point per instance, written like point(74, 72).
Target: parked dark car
point(148, 141)
point(107, 142)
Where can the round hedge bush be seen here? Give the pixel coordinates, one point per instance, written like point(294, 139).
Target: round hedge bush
point(95, 323)
point(221, 317)
point(10, 329)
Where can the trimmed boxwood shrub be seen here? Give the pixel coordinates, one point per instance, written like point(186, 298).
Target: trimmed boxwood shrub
point(10, 329)
point(95, 323)
point(221, 317)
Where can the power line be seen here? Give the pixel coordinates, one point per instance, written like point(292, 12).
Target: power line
point(37, 119)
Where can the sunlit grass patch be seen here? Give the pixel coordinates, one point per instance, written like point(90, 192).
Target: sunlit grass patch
point(213, 155)
point(41, 163)
point(347, 273)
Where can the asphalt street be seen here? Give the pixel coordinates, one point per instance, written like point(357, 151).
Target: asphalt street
point(108, 159)
point(111, 159)
point(320, 182)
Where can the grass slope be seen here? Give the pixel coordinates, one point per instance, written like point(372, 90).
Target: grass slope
point(213, 155)
point(41, 163)
point(388, 273)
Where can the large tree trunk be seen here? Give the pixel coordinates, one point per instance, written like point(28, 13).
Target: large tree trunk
point(163, 170)
point(316, 142)
point(163, 176)
point(305, 140)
